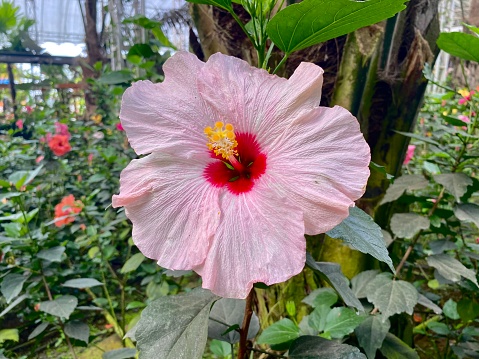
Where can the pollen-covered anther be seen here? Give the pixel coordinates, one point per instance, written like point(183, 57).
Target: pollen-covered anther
point(221, 139)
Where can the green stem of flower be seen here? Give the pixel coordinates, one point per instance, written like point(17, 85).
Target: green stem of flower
point(283, 60)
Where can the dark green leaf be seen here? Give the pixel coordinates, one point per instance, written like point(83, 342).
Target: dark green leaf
point(371, 333)
point(82, 283)
point(468, 309)
point(61, 307)
point(381, 169)
point(426, 302)
point(77, 330)
point(454, 183)
point(132, 263)
point(175, 326)
point(360, 282)
point(454, 121)
point(459, 44)
point(230, 312)
point(419, 137)
point(403, 183)
point(312, 347)
point(13, 304)
point(314, 21)
point(395, 348)
point(333, 274)
point(394, 297)
point(467, 212)
point(280, 332)
point(12, 285)
point(116, 77)
point(360, 232)
point(438, 328)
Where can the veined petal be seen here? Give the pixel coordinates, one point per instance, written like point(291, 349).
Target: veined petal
point(260, 238)
point(167, 113)
point(173, 209)
point(255, 101)
point(321, 162)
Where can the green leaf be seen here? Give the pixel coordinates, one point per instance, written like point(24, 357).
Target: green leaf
point(395, 348)
point(426, 302)
point(61, 307)
point(333, 274)
point(13, 304)
point(464, 46)
point(341, 321)
point(142, 50)
point(438, 328)
point(360, 282)
point(403, 183)
point(132, 263)
point(311, 22)
point(394, 297)
point(9, 334)
point(472, 28)
point(455, 183)
point(82, 283)
point(453, 121)
point(12, 285)
point(312, 347)
point(282, 331)
point(175, 326)
point(360, 232)
point(450, 268)
point(467, 212)
point(38, 330)
point(53, 254)
point(317, 318)
point(468, 309)
point(123, 353)
point(134, 305)
point(220, 348)
point(381, 169)
point(231, 312)
point(419, 137)
point(321, 296)
point(450, 309)
point(116, 77)
point(161, 37)
point(371, 333)
point(223, 4)
point(407, 225)
point(77, 330)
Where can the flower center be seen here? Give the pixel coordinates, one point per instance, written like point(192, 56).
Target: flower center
point(239, 159)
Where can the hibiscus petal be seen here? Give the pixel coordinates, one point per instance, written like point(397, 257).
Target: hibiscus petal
point(173, 209)
point(167, 113)
point(322, 163)
point(255, 101)
point(260, 238)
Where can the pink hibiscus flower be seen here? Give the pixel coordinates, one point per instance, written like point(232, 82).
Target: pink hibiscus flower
point(241, 165)
point(409, 154)
point(62, 129)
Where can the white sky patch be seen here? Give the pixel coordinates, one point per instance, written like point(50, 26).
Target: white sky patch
point(64, 49)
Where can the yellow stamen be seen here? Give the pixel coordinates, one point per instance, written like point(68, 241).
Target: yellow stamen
point(222, 139)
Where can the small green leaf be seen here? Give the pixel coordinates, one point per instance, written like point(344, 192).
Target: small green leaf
point(464, 46)
point(407, 225)
point(220, 348)
point(395, 348)
point(468, 309)
point(341, 321)
point(12, 285)
point(77, 330)
point(450, 268)
point(321, 296)
point(161, 37)
point(313, 347)
point(317, 318)
point(82, 283)
point(454, 183)
point(438, 328)
point(61, 307)
point(311, 22)
point(38, 330)
point(132, 263)
point(403, 183)
point(116, 77)
point(53, 254)
point(360, 232)
point(381, 169)
point(282, 331)
point(450, 309)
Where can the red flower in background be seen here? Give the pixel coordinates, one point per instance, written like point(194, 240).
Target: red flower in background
point(19, 124)
point(119, 127)
point(59, 145)
point(66, 210)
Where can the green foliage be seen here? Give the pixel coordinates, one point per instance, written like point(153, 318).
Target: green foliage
point(459, 44)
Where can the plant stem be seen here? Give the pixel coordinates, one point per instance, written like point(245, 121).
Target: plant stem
point(283, 60)
point(248, 313)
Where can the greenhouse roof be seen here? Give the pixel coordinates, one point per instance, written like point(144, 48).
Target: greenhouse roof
point(60, 21)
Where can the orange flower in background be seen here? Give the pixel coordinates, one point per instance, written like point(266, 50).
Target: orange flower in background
point(66, 209)
point(59, 145)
